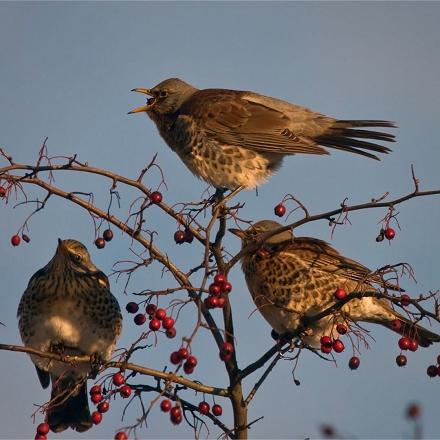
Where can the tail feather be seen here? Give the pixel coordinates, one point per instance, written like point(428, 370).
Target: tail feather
point(69, 407)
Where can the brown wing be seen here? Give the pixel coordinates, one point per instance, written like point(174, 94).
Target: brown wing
point(320, 255)
point(230, 118)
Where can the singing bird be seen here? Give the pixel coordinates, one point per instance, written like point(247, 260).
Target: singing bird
point(68, 308)
point(292, 278)
point(233, 138)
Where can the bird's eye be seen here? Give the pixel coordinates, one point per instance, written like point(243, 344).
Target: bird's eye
point(163, 94)
point(77, 257)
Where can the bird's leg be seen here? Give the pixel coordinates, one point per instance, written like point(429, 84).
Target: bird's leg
point(96, 362)
point(221, 202)
point(217, 197)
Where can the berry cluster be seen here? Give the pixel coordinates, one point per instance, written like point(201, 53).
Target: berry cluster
point(175, 411)
point(405, 343)
point(106, 236)
point(181, 355)
point(217, 291)
point(42, 431)
point(185, 236)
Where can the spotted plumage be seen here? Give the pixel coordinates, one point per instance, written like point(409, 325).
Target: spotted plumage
point(296, 277)
point(234, 138)
point(68, 308)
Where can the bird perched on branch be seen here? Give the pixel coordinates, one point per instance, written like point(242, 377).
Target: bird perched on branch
point(68, 309)
point(234, 138)
point(294, 278)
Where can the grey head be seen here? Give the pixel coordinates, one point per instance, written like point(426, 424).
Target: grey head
point(73, 255)
point(166, 97)
point(248, 235)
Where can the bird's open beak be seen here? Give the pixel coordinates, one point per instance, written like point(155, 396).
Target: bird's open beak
point(237, 232)
point(149, 103)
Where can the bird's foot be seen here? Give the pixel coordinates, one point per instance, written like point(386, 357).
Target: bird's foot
point(96, 363)
point(219, 200)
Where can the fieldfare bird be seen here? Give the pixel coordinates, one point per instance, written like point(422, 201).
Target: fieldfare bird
point(294, 278)
point(68, 308)
point(234, 138)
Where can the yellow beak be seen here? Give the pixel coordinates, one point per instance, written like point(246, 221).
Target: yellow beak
point(145, 107)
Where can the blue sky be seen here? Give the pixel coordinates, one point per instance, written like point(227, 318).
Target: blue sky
point(66, 72)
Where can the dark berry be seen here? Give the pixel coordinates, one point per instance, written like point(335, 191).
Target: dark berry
point(118, 379)
point(279, 210)
point(217, 410)
point(405, 300)
point(396, 324)
point(103, 407)
point(404, 343)
point(175, 358)
point(191, 361)
point(150, 309)
point(326, 349)
point(187, 368)
point(108, 235)
point(156, 197)
point(431, 371)
point(338, 346)
point(226, 351)
point(140, 319)
point(214, 289)
point(171, 333)
point(165, 405)
point(413, 411)
point(121, 435)
point(401, 360)
point(204, 407)
point(413, 345)
point(176, 415)
point(189, 236)
point(100, 243)
point(341, 329)
point(354, 363)
point(132, 307)
point(179, 237)
point(326, 340)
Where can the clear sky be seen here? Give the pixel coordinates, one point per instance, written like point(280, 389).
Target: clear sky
point(66, 70)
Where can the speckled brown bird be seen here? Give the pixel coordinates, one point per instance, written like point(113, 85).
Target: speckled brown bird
point(291, 278)
point(234, 138)
point(68, 308)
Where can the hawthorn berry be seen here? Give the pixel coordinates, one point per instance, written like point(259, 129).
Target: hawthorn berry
point(404, 343)
point(156, 197)
point(154, 325)
point(132, 307)
point(226, 287)
point(354, 363)
point(165, 405)
point(401, 360)
point(211, 302)
point(179, 237)
point(326, 349)
point(3, 194)
point(171, 333)
point(396, 324)
point(341, 329)
point(326, 340)
point(389, 233)
point(183, 353)
point(176, 415)
point(413, 345)
point(438, 359)
point(217, 410)
point(219, 279)
point(103, 407)
point(431, 371)
point(96, 398)
point(125, 391)
point(189, 236)
point(338, 346)
point(413, 411)
point(226, 351)
point(100, 243)
point(118, 379)
point(43, 428)
point(405, 300)
point(188, 369)
point(25, 238)
point(175, 358)
point(214, 289)
point(96, 417)
point(96, 389)
point(15, 240)
point(121, 435)
point(221, 301)
point(40, 437)
point(167, 323)
point(107, 235)
point(160, 314)
point(150, 309)
point(279, 210)
point(140, 319)
point(340, 293)
point(204, 408)
point(191, 361)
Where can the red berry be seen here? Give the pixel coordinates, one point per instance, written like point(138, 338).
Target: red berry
point(43, 428)
point(167, 323)
point(338, 346)
point(211, 302)
point(191, 361)
point(413, 345)
point(226, 287)
point(183, 353)
point(132, 307)
point(2, 192)
point(390, 233)
point(40, 437)
point(413, 411)
point(404, 343)
point(326, 340)
point(121, 435)
point(156, 197)
point(401, 360)
point(326, 349)
point(431, 371)
point(176, 415)
point(354, 363)
point(217, 410)
point(165, 405)
point(107, 235)
point(150, 309)
point(341, 329)
point(118, 379)
point(340, 293)
point(279, 210)
point(219, 279)
point(140, 319)
point(226, 351)
point(100, 243)
point(221, 301)
point(154, 325)
point(171, 333)
point(214, 289)
point(96, 417)
point(405, 300)
point(175, 358)
point(15, 240)
point(96, 389)
point(188, 369)
point(125, 391)
point(189, 236)
point(160, 314)
point(204, 407)
point(96, 398)
point(179, 237)
point(103, 407)
point(396, 324)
